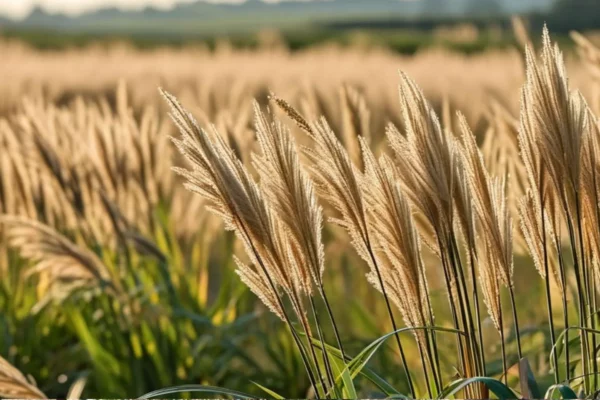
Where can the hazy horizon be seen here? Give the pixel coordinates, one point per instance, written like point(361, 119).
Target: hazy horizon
point(17, 9)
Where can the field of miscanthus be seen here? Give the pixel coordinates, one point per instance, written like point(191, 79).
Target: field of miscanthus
point(307, 224)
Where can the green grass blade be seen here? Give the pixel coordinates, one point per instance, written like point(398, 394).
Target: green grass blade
point(348, 389)
point(495, 386)
point(368, 373)
point(101, 357)
point(197, 389)
point(529, 384)
point(565, 392)
point(346, 386)
point(268, 391)
point(357, 364)
point(558, 347)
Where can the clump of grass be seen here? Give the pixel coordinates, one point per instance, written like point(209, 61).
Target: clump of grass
point(436, 189)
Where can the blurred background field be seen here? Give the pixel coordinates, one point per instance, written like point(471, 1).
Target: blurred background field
point(84, 137)
point(403, 26)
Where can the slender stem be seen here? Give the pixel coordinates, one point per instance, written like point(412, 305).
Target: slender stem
point(566, 340)
point(564, 304)
point(392, 319)
point(467, 356)
point(477, 309)
point(465, 314)
point(594, 343)
point(432, 344)
point(304, 357)
point(581, 299)
point(332, 320)
point(450, 291)
point(424, 364)
point(547, 286)
point(581, 290)
point(286, 317)
point(435, 371)
point(328, 369)
point(586, 280)
point(503, 342)
point(594, 302)
point(475, 345)
point(516, 320)
point(592, 322)
point(306, 326)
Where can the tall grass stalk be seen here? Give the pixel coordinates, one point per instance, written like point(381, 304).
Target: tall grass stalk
point(332, 320)
point(475, 291)
point(547, 287)
point(513, 305)
point(388, 306)
point(502, 343)
point(450, 293)
point(330, 376)
point(565, 305)
point(288, 321)
point(475, 346)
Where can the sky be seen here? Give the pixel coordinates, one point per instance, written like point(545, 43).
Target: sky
point(20, 8)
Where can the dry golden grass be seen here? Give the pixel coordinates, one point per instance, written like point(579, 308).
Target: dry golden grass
point(438, 177)
point(14, 385)
point(87, 174)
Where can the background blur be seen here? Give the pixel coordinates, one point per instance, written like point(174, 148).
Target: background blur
point(403, 25)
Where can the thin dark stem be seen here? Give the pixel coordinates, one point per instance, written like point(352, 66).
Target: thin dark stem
point(286, 317)
point(477, 349)
point(581, 287)
point(464, 303)
point(328, 369)
point(477, 309)
point(547, 284)
point(434, 368)
point(448, 281)
point(306, 326)
point(564, 303)
point(332, 320)
point(594, 294)
point(586, 279)
point(304, 357)
point(592, 322)
point(392, 319)
point(432, 344)
point(581, 299)
point(516, 320)
point(424, 364)
point(594, 342)
point(503, 343)
point(566, 339)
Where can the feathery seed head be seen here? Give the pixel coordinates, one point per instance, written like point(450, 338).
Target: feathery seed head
point(425, 158)
point(222, 180)
point(289, 189)
point(14, 385)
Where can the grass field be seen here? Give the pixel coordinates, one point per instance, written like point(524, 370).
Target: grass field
point(455, 203)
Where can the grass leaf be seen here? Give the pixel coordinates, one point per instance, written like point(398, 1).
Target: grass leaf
point(495, 386)
point(196, 389)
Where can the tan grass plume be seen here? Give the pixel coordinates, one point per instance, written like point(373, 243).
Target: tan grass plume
point(14, 385)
